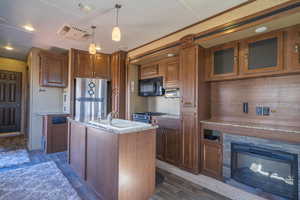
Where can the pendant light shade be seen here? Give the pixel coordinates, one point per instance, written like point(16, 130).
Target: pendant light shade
point(116, 32)
point(92, 47)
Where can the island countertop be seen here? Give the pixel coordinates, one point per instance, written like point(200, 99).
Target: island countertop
point(118, 126)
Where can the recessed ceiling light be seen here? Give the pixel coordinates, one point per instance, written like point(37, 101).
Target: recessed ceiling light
point(28, 27)
point(9, 48)
point(85, 8)
point(98, 48)
point(261, 29)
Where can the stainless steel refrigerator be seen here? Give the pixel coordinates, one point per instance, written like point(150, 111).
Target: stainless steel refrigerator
point(90, 99)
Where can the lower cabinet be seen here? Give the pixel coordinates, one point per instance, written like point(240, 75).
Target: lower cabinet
point(77, 148)
point(168, 140)
point(190, 142)
point(211, 153)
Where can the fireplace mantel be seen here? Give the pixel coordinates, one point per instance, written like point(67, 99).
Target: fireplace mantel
point(266, 131)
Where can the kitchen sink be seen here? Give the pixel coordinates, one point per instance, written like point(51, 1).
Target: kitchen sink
point(119, 124)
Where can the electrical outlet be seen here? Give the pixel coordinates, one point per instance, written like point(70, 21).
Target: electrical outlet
point(245, 107)
point(259, 110)
point(266, 111)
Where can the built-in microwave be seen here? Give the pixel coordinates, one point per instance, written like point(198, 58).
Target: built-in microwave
point(151, 87)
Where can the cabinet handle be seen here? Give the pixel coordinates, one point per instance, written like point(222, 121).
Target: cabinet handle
point(296, 48)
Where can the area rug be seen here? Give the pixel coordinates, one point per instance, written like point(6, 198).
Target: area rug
point(37, 182)
point(11, 158)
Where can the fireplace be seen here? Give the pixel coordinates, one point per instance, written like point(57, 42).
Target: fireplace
point(270, 170)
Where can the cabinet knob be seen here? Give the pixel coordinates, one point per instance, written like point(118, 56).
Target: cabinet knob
point(296, 48)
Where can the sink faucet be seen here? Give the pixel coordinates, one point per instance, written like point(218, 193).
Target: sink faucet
point(110, 117)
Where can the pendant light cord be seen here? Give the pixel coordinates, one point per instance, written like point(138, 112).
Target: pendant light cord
point(117, 6)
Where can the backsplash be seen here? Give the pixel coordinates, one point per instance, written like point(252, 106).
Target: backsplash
point(165, 105)
point(280, 94)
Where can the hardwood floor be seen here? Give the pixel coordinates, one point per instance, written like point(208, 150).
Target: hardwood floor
point(173, 187)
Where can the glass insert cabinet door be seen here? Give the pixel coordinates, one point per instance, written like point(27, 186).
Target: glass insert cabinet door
point(262, 53)
point(224, 60)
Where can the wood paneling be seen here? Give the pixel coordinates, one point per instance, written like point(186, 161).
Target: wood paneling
point(53, 69)
point(77, 148)
point(102, 163)
point(281, 94)
point(10, 101)
point(118, 71)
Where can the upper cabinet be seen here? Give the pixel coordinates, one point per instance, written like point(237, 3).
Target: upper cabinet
point(149, 71)
point(171, 76)
point(292, 49)
point(224, 60)
point(91, 66)
point(262, 53)
point(53, 69)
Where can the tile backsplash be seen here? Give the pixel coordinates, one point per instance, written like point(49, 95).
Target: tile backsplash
point(163, 104)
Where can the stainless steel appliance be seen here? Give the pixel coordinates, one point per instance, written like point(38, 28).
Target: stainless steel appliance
point(151, 87)
point(90, 99)
point(172, 93)
point(145, 117)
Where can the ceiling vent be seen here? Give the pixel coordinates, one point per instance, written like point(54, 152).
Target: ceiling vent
point(73, 33)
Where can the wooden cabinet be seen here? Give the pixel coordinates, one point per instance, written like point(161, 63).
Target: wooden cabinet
point(171, 76)
point(55, 133)
point(53, 69)
point(168, 140)
point(224, 60)
point(118, 69)
point(102, 66)
point(262, 54)
point(211, 153)
point(149, 71)
point(190, 142)
point(77, 148)
point(292, 49)
point(189, 75)
point(91, 66)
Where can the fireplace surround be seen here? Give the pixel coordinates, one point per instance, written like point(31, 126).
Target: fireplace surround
point(265, 166)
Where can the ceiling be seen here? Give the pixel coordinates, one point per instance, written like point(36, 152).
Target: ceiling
point(140, 21)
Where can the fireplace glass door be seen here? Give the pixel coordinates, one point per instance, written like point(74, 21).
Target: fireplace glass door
point(272, 171)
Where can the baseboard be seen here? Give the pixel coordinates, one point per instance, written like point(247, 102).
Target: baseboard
point(209, 183)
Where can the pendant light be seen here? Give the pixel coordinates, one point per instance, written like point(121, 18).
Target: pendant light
point(92, 47)
point(116, 32)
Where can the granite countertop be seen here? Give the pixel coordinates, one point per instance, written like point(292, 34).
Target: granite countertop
point(51, 113)
point(136, 126)
point(268, 127)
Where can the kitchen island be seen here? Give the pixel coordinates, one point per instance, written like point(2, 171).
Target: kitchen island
point(116, 160)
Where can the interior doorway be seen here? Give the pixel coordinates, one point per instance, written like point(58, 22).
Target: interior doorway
point(10, 101)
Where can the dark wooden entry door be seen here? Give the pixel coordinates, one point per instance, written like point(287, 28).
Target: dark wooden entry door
point(10, 101)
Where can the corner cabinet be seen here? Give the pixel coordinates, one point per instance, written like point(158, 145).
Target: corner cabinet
point(91, 66)
point(262, 54)
point(224, 61)
point(292, 49)
point(53, 69)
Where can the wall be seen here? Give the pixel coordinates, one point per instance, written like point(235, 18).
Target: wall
point(282, 94)
point(41, 100)
point(18, 66)
point(246, 10)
